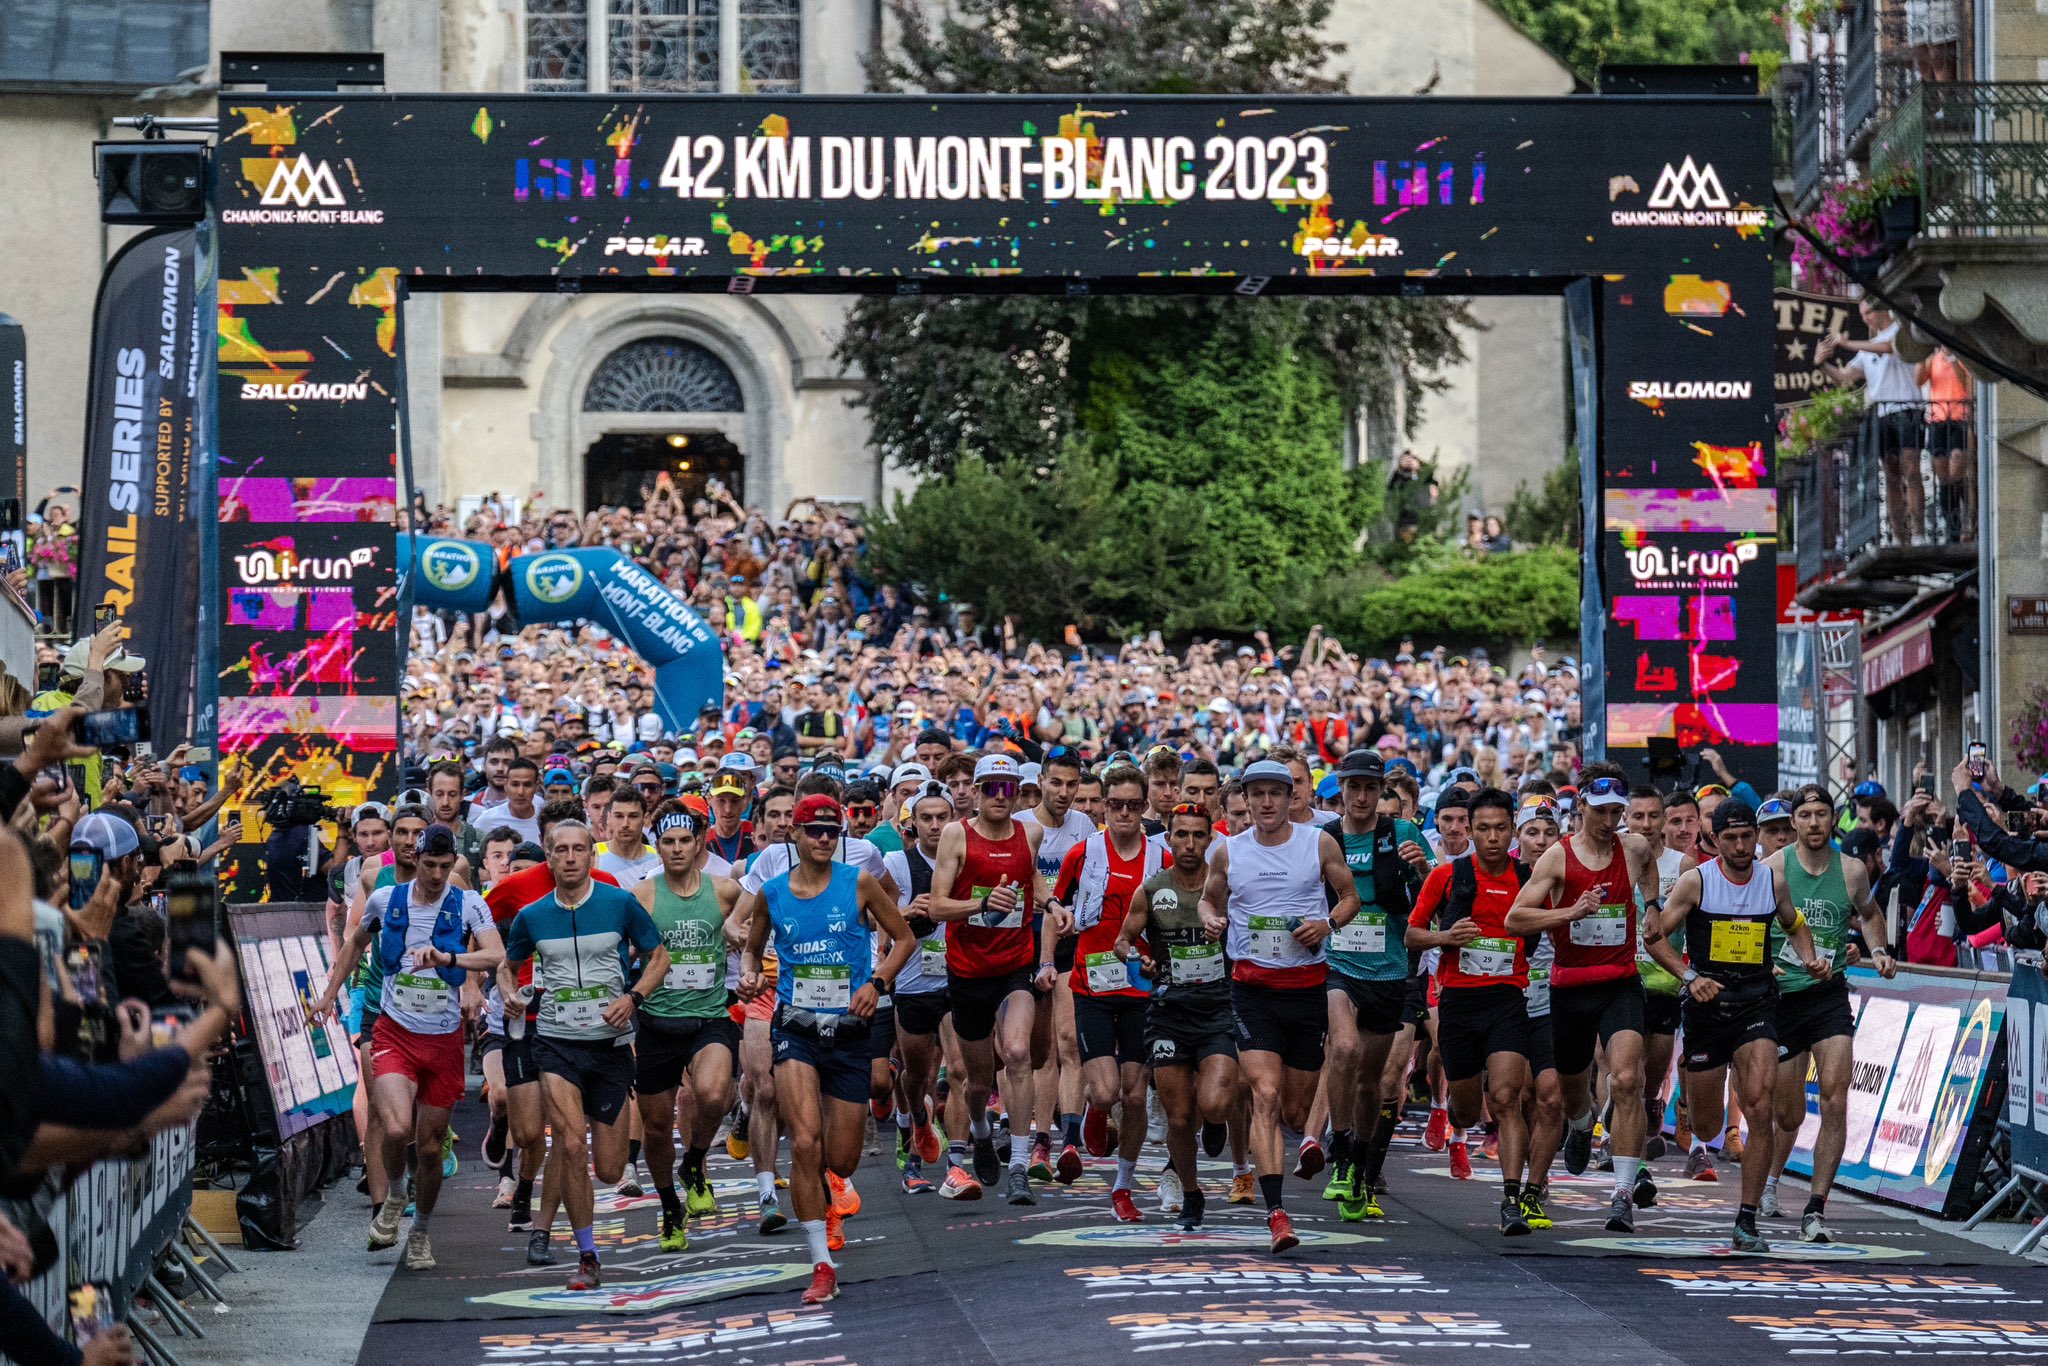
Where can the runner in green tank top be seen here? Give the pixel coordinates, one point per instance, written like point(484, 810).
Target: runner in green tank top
point(684, 1027)
point(1816, 1022)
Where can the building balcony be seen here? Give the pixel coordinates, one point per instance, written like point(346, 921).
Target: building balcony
point(1815, 106)
point(1878, 513)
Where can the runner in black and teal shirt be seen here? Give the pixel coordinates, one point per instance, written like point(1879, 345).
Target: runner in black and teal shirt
point(684, 1025)
point(1369, 965)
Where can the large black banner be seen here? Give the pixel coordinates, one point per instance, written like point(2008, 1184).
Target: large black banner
point(13, 410)
point(138, 543)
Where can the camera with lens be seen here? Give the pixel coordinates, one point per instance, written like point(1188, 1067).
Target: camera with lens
point(291, 803)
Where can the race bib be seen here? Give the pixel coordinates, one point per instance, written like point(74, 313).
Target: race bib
point(989, 920)
point(1192, 963)
point(931, 957)
point(419, 995)
point(579, 1008)
point(1271, 937)
point(1737, 941)
point(694, 970)
point(1789, 955)
point(1488, 958)
point(1367, 933)
point(1106, 972)
point(1606, 928)
point(821, 986)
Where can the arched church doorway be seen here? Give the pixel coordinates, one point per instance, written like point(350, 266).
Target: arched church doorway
point(620, 468)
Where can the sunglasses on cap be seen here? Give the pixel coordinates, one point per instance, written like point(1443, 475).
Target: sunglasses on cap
point(1710, 790)
point(821, 830)
point(1776, 809)
point(862, 808)
point(1606, 787)
point(1190, 809)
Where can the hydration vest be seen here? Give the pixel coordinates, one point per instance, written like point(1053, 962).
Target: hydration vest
point(448, 932)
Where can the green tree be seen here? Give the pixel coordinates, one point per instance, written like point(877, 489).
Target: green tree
point(1588, 34)
point(1551, 513)
point(1527, 595)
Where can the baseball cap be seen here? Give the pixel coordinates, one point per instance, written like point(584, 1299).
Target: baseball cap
point(555, 776)
point(1774, 809)
point(906, 711)
point(108, 836)
point(526, 851)
point(75, 659)
point(1733, 814)
point(1869, 788)
point(1536, 811)
point(736, 762)
point(435, 839)
point(1029, 773)
point(688, 756)
point(1267, 771)
point(1462, 774)
point(730, 782)
point(1361, 763)
point(370, 811)
point(1329, 787)
point(648, 727)
point(1861, 842)
point(669, 774)
point(909, 773)
point(997, 766)
point(1608, 792)
point(818, 807)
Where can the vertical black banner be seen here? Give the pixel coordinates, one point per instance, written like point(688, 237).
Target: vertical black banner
point(13, 410)
point(137, 541)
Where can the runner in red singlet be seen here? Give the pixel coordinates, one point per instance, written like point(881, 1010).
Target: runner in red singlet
point(1580, 894)
point(987, 886)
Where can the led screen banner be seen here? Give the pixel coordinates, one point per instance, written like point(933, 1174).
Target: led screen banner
point(1920, 1118)
point(331, 209)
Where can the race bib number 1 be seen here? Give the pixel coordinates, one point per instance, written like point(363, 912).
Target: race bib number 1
point(1737, 941)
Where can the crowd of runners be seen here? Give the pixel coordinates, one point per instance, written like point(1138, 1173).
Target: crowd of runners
point(1008, 963)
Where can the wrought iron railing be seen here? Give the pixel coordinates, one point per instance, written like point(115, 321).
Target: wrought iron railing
point(1978, 151)
point(1817, 148)
point(1896, 496)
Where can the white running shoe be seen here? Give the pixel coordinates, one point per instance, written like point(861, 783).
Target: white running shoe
point(1767, 1207)
point(629, 1182)
point(1171, 1195)
point(1155, 1120)
point(503, 1199)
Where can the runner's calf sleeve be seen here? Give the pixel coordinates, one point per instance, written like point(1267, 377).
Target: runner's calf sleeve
point(1269, 1186)
point(1382, 1136)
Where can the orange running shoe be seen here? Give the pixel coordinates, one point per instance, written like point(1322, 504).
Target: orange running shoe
point(845, 1199)
point(835, 1231)
point(960, 1185)
point(924, 1141)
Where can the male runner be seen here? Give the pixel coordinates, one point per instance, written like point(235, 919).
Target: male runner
point(625, 854)
point(1058, 1085)
point(920, 994)
point(757, 1129)
point(1647, 818)
point(421, 931)
point(1189, 1029)
point(684, 1028)
point(731, 838)
point(1368, 982)
point(1582, 893)
point(1816, 1021)
point(1727, 905)
point(822, 913)
point(1097, 878)
point(1773, 826)
point(1484, 978)
point(988, 889)
point(1536, 831)
point(579, 937)
point(1268, 884)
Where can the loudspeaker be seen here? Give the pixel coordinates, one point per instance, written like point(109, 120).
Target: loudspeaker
point(152, 182)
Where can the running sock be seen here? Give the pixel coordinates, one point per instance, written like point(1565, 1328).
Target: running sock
point(1581, 1123)
point(956, 1154)
point(1020, 1156)
point(765, 1181)
point(419, 1221)
point(1816, 1204)
point(1511, 1190)
point(632, 1152)
point(693, 1165)
point(1382, 1137)
point(586, 1241)
point(1269, 1186)
point(671, 1203)
point(1340, 1147)
point(1071, 1125)
point(1240, 1169)
point(1126, 1170)
point(1625, 1169)
point(1745, 1218)
point(814, 1232)
point(523, 1192)
point(903, 1121)
point(979, 1127)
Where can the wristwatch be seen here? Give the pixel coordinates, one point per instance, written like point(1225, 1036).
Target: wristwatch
point(884, 985)
point(638, 999)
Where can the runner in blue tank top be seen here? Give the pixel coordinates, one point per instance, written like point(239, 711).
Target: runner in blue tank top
point(823, 915)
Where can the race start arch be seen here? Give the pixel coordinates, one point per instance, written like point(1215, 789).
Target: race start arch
point(1647, 213)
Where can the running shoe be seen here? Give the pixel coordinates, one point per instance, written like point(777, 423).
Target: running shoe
point(1439, 1131)
point(1359, 1203)
point(988, 1169)
point(1309, 1160)
point(1767, 1207)
point(1155, 1118)
point(736, 1145)
point(879, 1109)
point(1191, 1208)
point(1018, 1188)
point(587, 1275)
point(941, 1087)
point(450, 1163)
point(824, 1286)
point(537, 1253)
point(772, 1217)
point(503, 1199)
point(496, 1145)
point(1244, 1188)
point(1749, 1240)
point(1343, 1172)
point(698, 1199)
point(913, 1179)
point(629, 1187)
point(1682, 1128)
point(1621, 1213)
point(1513, 1223)
point(1461, 1162)
point(384, 1227)
point(845, 1199)
point(960, 1185)
point(902, 1148)
point(521, 1220)
point(1603, 1160)
point(1578, 1149)
point(1095, 1131)
point(924, 1141)
point(1170, 1192)
point(1532, 1206)
point(1699, 1166)
point(419, 1253)
point(1813, 1228)
point(1069, 1168)
point(1282, 1229)
point(1731, 1143)
point(835, 1231)
point(1645, 1192)
point(674, 1237)
point(1653, 1146)
point(1490, 1148)
point(1041, 1157)
point(1124, 1207)
point(1214, 1136)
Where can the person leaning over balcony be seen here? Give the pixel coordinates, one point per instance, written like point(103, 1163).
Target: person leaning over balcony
point(1949, 410)
point(1891, 427)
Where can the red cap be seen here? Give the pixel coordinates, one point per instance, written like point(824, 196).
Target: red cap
point(817, 808)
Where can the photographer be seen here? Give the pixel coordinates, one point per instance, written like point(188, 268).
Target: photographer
point(1992, 825)
point(293, 856)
